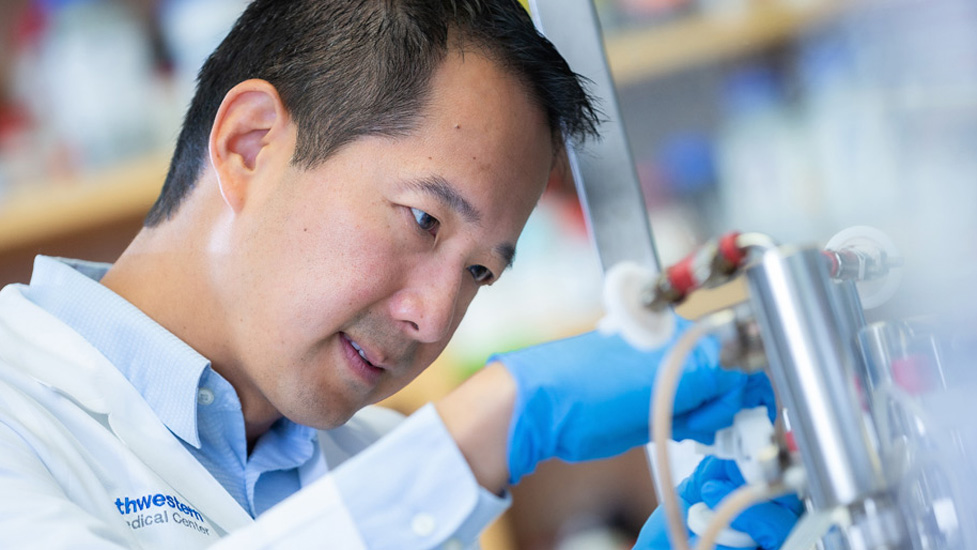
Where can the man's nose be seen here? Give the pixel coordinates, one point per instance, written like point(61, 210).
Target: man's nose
point(428, 303)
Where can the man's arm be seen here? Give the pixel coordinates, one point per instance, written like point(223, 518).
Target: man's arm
point(477, 414)
point(585, 398)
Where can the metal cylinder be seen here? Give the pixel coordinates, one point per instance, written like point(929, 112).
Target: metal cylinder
point(808, 334)
point(878, 342)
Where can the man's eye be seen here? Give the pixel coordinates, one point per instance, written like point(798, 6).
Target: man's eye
point(424, 220)
point(480, 273)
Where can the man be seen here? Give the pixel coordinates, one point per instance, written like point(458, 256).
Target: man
point(348, 175)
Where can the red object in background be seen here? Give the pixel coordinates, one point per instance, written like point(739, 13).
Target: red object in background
point(573, 217)
point(28, 26)
point(13, 121)
point(913, 373)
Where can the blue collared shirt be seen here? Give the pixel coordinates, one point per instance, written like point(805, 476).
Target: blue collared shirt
point(195, 402)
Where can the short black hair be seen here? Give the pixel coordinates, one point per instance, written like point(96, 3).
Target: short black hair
point(345, 69)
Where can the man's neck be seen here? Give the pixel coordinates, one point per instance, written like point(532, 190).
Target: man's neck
point(166, 283)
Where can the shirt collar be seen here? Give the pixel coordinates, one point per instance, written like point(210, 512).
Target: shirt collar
point(163, 369)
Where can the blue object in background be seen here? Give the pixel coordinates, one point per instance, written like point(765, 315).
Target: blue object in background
point(688, 163)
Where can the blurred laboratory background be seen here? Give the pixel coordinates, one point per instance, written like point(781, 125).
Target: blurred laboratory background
point(796, 118)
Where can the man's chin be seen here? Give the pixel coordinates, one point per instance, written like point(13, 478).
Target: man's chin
point(324, 419)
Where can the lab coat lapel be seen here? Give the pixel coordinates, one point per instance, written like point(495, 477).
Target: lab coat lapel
point(99, 387)
point(148, 438)
point(40, 345)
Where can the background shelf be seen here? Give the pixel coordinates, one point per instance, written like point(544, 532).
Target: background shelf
point(69, 206)
point(646, 53)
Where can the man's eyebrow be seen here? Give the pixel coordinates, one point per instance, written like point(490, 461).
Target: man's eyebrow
point(443, 191)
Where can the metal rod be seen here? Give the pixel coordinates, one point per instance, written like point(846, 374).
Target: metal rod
point(603, 170)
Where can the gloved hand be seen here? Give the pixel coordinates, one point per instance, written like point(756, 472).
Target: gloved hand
point(769, 523)
point(589, 397)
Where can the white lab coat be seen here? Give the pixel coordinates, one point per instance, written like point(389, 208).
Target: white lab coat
point(85, 463)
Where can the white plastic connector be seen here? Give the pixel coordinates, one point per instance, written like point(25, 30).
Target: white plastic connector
point(700, 516)
point(747, 442)
point(625, 313)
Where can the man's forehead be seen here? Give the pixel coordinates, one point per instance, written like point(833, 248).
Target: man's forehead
point(484, 69)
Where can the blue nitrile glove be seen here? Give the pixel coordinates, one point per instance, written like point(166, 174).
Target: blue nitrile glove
point(589, 397)
point(768, 523)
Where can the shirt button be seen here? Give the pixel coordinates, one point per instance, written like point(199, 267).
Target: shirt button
point(453, 544)
point(422, 525)
point(205, 396)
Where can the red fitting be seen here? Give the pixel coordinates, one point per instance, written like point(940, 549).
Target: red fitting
point(834, 266)
point(730, 251)
point(790, 441)
point(680, 276)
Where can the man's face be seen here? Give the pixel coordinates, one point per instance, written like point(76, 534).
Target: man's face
point(347, 280)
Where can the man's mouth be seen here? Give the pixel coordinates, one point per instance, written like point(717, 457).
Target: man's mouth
point(358, 359)
point(360, 351)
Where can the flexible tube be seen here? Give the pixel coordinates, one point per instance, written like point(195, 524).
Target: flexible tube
point(666, 383)
point(731, 506)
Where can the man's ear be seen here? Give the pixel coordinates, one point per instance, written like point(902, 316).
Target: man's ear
point(251, 131)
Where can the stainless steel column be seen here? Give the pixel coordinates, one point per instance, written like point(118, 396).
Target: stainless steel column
point(808, 336)
point(604, 170)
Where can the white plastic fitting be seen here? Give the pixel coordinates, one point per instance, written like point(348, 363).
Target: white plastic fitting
point(746, 442)
point(625, 312)
point(700, 516)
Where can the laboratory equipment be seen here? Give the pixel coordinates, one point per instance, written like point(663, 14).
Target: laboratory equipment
point(872, 429)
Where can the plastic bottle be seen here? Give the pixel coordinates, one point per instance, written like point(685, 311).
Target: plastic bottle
point(191, 30)
point(92, 85)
